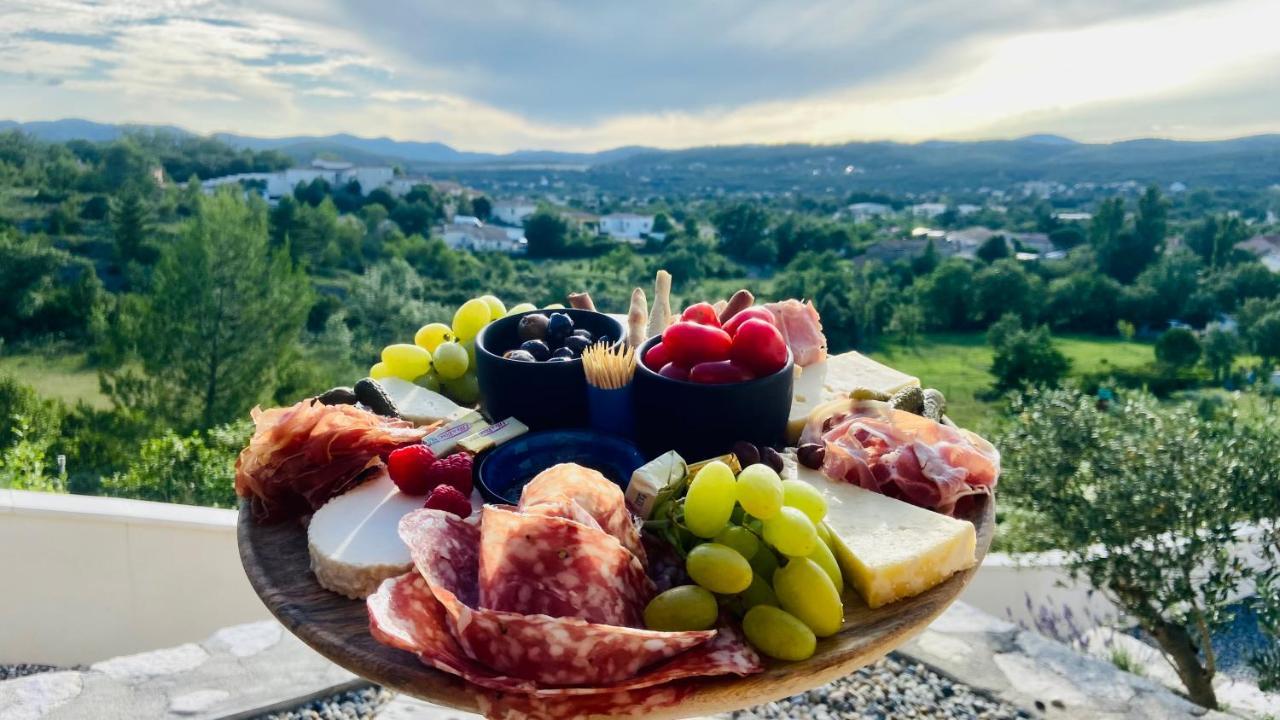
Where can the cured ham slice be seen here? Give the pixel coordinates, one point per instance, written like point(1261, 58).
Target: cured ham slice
point(593, 492)
point(903, 455)
point(802, 329)
point(533, 564)
point(301, 456)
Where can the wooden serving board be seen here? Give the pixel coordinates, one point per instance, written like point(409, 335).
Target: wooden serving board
point(276, 561)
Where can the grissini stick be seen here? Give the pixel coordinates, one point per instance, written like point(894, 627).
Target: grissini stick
point(637, 318)
point(581, 301)
point(740, 301)
point(660, 318)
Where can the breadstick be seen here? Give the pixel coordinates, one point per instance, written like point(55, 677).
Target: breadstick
point(740, 301)
point(581, 301)
point(660, 318)
point(637, 318)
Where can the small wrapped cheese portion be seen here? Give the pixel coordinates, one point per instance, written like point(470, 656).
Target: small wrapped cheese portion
point(888, 549)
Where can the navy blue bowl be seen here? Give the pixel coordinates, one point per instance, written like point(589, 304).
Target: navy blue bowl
point(503, 472)
point(542, 395)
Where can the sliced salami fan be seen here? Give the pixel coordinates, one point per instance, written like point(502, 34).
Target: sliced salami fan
point(601, 499)
point(533, 564)
point(404, 614)
point(547, 650)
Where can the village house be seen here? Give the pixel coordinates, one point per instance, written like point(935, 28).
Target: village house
point(1266, 248)
point(626, 226)
point(466, 232)
point(278, 184)
point(863, 211)
point(512, 212)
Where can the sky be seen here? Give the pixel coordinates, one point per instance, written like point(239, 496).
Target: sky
point(501, 76)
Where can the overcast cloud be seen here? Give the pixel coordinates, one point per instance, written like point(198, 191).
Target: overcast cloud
point(586, 75)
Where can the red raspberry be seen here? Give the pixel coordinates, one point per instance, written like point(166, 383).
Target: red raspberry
point(409, 469)
point(453, 470)
point(449, 499)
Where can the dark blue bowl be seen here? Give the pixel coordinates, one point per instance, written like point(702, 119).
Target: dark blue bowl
point(503, 472)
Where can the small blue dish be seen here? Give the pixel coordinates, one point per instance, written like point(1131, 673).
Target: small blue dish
point(503, 472)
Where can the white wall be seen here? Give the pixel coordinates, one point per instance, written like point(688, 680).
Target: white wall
point(86, 578)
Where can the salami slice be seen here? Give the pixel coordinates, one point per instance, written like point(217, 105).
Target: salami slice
point(532, 564)
point(601, 499)
point(404, 614)
point(548, 650)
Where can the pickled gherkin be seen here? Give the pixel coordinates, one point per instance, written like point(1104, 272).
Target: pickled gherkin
point(862, 393)
point(910, 399)
point(935, 404)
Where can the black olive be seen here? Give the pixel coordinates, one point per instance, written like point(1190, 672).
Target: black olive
point(583, 332)
point(338, 396)
point(533, 327)
point(747, 453)
point(576, 344)
point(770, 457)
point(811, 455)
point(560, 358)
point(519, 356)
point(563, 353)
point(537, 349)
point(559, 327)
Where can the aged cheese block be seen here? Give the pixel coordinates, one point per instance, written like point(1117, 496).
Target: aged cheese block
point(889, 549)
point(353, 538)
point(835, 378)
point(416, 403)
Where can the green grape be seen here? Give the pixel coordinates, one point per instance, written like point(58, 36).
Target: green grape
point(451, 360)
point(791, 533)
point(430, 336)
point(760, 491)
point(430, 381)
point(718, 568)
point(764, 563)
point(826, 560)
point(470, 319)
point(379, 371)
point(496, 308)
point(406, 361)
point(778, 634)
point(805, 591)
point(554, 306)
point(824, 532)
point(522, 308)
point(709, 502)
point(464, 390)
point(805, 498)
point(470, 347)
point(740, 539)
point(687, 607)
point(759, 592)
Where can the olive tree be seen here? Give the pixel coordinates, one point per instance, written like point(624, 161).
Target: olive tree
point(1144, 500)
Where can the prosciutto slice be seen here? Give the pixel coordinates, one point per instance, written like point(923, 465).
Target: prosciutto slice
point(802, 329)
point(302, 455)
point(903, 455)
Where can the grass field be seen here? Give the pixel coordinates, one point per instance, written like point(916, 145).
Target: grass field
point(958, 364)
point(64, 376)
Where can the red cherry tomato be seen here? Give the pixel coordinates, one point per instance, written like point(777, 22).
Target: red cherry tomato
point(751, 313)
point(701, 313)
point(657, 357)
point(719, 373)
point(758, 345)
point(689, 343)
point(674, 372)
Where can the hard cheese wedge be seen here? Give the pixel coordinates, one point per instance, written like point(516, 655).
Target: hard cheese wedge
point(888, 549)
point(353, 538)
point(416, 403)
point(836, 377)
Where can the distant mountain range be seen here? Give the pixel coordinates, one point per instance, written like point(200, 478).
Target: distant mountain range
point(937, 165)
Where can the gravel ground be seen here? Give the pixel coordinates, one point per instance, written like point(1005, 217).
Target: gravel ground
point(8, 672)
point(361, 704)
point(892, 689)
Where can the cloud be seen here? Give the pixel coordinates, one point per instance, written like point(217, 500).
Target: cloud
point(489, 75)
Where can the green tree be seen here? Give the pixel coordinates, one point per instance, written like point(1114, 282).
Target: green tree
point(927, 261)
point(1178, 348)
point(197, 469)
point(1152, 220)
point(1143, 500)
point(482, 207)
point(1265, 337)
point(947, 294)
point(742, 228)
point(1024, 358)
point(992, 249)
point(1214, 238)
point(221, 313)
point(1006, 286)
point(1084, 302)
point(1220, 350)
point(907, 322)
point(547, 233)
point(131, 228)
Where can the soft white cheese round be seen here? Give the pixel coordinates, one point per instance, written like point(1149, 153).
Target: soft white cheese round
point(354, 541)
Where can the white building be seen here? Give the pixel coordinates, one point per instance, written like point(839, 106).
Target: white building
point(626, 226)
point(512, 212)
point(866, 210)
point(929, 210)
point(1073, 216)
point(337, 174)
point(479, 237)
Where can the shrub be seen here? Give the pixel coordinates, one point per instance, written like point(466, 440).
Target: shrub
point(197, 469)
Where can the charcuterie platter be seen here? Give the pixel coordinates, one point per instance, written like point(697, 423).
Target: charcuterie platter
point(657, 515)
